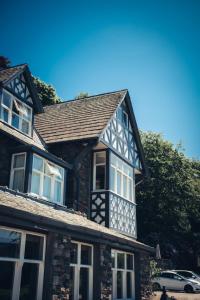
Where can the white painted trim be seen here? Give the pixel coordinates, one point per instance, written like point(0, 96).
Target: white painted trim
point(13, 169)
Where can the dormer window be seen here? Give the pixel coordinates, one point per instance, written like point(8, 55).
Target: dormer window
point(47, 180)
point(16, 113)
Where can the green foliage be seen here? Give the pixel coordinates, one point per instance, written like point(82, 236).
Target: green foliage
point(4, 62)
point(169, 201)
point(154, 269)
point(46, 92)
point(82, 95)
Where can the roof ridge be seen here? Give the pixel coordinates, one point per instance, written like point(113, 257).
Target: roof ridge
point(83, 98)
point(12, 67)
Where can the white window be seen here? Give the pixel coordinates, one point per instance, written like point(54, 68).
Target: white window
point(99, 173)
point(15, 113)
point(121, 178)
point(47, 180)
point(22, 255)
point(123, 275)
point(17, 174)
point(81, 271)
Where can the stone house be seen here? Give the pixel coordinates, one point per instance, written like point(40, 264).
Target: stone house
point(67, 195)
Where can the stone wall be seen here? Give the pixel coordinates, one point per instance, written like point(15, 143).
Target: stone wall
point(145, 273)
point(61, 282)
point(105, 272)
point(6, 147)
point(78, 190)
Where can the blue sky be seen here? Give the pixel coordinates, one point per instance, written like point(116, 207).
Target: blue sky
point(150, 47)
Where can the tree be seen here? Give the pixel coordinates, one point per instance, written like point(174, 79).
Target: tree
point(169, 201)
point(46, 92)
point(82, 95)
point(4, 62)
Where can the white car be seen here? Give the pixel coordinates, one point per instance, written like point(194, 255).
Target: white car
point(188, 274)
point(172, 281)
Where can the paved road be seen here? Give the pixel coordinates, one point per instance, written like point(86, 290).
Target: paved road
point(178, 296)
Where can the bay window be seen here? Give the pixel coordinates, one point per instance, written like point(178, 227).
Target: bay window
point(47, 180)
point(123, 275)
point(99, 174)
point(18, 172)
point(22, 256)
point(121, 178)
point(15, 113)
point(81, 271)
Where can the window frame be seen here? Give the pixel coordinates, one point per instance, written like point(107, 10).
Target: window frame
point(124, 271)
point(18, 263)
point(129, 179)
point(11, 112)
point(77, 267)
point(94, 170)
point(53, 178)
point(14, 169)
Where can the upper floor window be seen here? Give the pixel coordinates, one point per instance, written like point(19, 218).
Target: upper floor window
point(121, 178)
point(99, 179)
point(15, 113)
point(47, 180)
point(18, 171)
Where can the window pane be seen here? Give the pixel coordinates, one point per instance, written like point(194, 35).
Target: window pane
point(129, 260)
point(100, 177)
point(100, 157)
point(130, 189)
point(120, 260)
point(6, 99)
point(86, 253)
point(15, 121)
point(29, 280)
point(57, 191)
point(6, 279)
point(19, 161)
point(84, 284)
point(25, 126)
point(35, 183)
point(73, 253)
point(129, 284)
point(5, 115)
point(34, 247)
point(37, 163)
point(112, 179)
point(18, 180)
point(9, 243)
point(119, 284)
point(119, 182)
point(47, 187)
point(124, 186)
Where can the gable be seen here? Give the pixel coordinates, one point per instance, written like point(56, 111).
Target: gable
point(18, 81)
point(122, 136)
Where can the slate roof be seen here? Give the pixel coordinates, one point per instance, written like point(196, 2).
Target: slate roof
point(8, 73)
point(35, 141)
point(21, 202)
point(78, 119)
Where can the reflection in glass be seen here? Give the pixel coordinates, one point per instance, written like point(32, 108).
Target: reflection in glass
point(73, 253)
point(29, 280)
point(34, 247)
point(100, 177)
point(86, 255)
point(6, 279)
point(18, 180)
point(120, 260)
point(128, 284)
point(119, 284)
point(9, 243)
point(129, 259)
point(84, 284)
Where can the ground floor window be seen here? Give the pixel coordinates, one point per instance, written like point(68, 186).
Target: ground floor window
point(21, 264)
point(123, 275)
point(81, 271)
